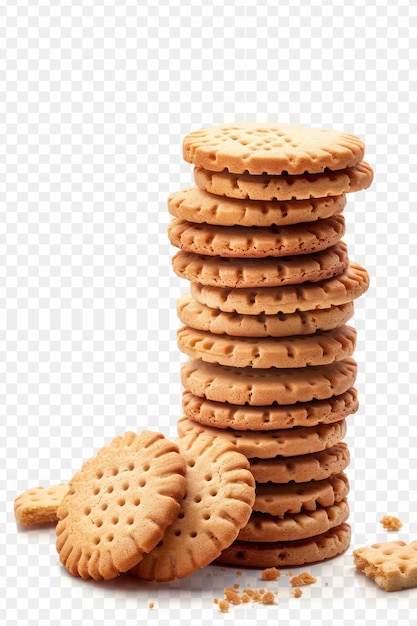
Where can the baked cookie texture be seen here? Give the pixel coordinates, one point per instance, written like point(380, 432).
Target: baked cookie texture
point(271, 363)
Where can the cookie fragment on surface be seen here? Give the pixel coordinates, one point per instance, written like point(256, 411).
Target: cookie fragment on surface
point(39, 505)
point(392, 565)
point(390, 522)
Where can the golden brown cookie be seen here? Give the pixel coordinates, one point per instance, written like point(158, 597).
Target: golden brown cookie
point(220, 492)
point(340, 289)
point(303, 467)
point(119, 505)
point(288, 553)
point(294, 497)
point(292, 527)
point(262, 387)
point(201, 317)
point(195, 205)
point(39, 505)
point(264, 418)
point(266, 188)
point(392, 564)
point(268, 272)
point(272, 148)
point(320, 348)
point(246, 242)
point(272, 443)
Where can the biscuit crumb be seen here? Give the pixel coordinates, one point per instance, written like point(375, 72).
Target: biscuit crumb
point(302, 579)
point(151, 605)
point(268, 598)
point(297, 593)
point(390, 522)
point(270, 573)
point(224, 606)
point(232, 596)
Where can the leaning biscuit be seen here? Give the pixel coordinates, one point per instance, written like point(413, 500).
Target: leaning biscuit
point(268, 188)
point(272, 148)
point(320, 348)
point(39, 505)
point(262, 387)
point(220, 491)
point(245, 242)
point(288, 553)
point(392, 565)
point(267, 272)
point(198, 206)
point(119, 504)
point(339, 289)
point(272, 443)
point(201, 317)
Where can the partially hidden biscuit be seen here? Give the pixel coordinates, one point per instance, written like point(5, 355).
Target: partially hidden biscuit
point(267, 272)
point(266, 188)
point(292, 527)
point(288, 553)
point(392, 565)
point(320, 348)
point(339, 289)
point(274, 148)
point(39, 505)
point(220, 492)
point(294, 497)
point(198, 206)
point(264, 418)
point(201, 317)
point(272, 443)
point(303, 467)
point(119, 505)
point(246, 242)
point(260, 387)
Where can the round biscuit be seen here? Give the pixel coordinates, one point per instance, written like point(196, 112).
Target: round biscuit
point(119, 505)
point(311, 550)
point(198, 206)
point(319, 348)
point(201, 317)
point(246, 242)
point(220, 492)
point(264, 418)
point(264, 272)
point(272, 443)
point(344, 287)
point(271, 147)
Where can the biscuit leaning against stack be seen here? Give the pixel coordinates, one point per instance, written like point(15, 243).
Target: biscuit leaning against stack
point(271, 365)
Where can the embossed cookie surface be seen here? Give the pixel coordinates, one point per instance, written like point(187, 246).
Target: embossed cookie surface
point(119, 504)
point(303, 467)
point(201, 317)
point(285, 187)
point(294, 497)
point(271, 147)
point(264, 418)
point(264, 272)
point(268, 445)
point(39, 505)
point(220, 492)
point(245, 242)
point(320, 348)
point(288, 553)
point(292, 527)
point(195, 205)
point(340, 289)
point(260, 387)
point(391, 564)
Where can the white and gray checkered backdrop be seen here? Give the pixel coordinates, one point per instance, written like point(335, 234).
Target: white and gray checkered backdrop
point(96, 96)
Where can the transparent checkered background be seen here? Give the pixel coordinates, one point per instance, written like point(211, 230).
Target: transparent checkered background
point(96, 97)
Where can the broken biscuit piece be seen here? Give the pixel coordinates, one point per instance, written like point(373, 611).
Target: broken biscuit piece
point(392, 565)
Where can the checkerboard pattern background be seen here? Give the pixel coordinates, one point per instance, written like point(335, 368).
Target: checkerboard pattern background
point(95, 100)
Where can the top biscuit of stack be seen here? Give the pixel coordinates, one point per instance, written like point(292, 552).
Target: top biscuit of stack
point(271, 148)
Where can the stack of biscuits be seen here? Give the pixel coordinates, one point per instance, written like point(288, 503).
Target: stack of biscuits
point(265, 325)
